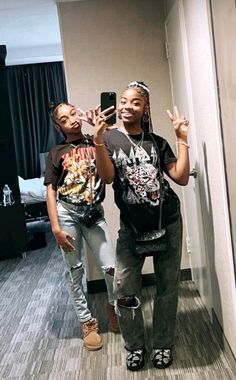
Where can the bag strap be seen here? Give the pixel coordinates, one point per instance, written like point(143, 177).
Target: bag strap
point(161, 199)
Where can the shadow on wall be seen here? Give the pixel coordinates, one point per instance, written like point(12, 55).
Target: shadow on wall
point(210, 241)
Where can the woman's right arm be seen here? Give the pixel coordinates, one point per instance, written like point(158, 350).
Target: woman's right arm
point(52, 209)
point(63, 239)
point(104, 164)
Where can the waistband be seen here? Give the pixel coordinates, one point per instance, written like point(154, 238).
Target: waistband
point(78, 208)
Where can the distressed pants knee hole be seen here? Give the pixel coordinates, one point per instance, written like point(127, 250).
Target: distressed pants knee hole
point(110, 271)
point(129, 302)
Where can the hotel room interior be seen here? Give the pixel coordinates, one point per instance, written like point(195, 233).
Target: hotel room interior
point(59, 50)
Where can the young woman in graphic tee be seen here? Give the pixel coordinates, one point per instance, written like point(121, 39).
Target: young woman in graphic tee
point(134, 159)
point(74, 196)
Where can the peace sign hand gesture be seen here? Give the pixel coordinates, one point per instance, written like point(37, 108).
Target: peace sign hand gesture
point(180, 124)
point(89, 116)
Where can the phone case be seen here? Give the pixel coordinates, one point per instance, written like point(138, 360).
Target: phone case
point(108, 99)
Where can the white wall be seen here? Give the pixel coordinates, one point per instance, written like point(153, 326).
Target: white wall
point(224, 25)
point(108, 44)
point(211, 161)
point(208, 121)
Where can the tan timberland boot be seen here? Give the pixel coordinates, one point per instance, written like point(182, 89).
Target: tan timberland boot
point(112, 319)
point(92, 340)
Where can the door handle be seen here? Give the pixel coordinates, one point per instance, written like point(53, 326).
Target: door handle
point(193, 173)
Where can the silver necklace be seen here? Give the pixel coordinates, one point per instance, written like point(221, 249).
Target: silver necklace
point(137, 146)
point(74, 146)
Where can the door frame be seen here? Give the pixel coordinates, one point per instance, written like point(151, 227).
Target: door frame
point(202, 278)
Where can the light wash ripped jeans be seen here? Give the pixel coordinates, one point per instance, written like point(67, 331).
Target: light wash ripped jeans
point(128, 285)
point(99, 241)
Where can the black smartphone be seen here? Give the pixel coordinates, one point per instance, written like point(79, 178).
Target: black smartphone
point(108, 99)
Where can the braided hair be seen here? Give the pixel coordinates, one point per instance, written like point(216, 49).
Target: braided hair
point(53, 108)
point(143, 90)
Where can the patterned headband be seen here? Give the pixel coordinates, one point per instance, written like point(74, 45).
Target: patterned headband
point(139, 85)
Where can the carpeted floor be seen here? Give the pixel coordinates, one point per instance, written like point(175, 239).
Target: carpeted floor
point(41, 337)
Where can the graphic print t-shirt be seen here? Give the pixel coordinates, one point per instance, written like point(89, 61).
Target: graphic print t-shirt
point(137, 180)
point(71, 169)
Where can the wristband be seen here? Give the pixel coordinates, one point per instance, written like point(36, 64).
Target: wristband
point(183, 143)
point(96, 144)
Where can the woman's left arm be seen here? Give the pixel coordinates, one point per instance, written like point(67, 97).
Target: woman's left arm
point(178, 171)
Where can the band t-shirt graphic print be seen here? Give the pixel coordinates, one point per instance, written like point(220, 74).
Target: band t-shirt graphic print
point(140, 171)
point(74, 173)
point(79, 181)
point(137, 180)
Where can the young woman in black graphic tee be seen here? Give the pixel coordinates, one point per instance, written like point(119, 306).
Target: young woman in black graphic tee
point(134, 159)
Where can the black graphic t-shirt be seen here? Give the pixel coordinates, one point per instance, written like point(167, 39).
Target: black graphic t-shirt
point(71, 169)
point(137, 181)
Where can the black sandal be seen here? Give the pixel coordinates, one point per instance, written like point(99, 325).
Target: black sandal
point(135, 359)
point(161, 358)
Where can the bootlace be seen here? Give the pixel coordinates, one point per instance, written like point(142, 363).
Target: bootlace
point(90, 326)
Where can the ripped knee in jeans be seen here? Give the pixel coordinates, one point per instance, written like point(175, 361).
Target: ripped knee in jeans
point(128, 301)
point(76, 272)
point(110, 271)
point(76, 267)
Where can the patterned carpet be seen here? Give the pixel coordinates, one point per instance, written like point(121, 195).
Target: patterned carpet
point(41, 337)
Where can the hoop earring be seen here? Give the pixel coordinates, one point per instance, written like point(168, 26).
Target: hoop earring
point(146, 117)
